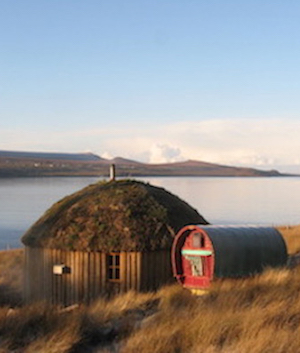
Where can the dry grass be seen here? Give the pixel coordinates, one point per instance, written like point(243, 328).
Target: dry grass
point(11, 276)
point(258, 314)
point(291, 235)
point(39, 328)
point(45, 328)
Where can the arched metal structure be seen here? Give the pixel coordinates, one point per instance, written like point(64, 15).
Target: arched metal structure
point(202, 253)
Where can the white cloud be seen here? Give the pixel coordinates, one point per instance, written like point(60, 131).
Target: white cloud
point(242, 142)
point(163, 153)
point(246, 142)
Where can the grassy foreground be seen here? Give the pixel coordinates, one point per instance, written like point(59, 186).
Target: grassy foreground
point(254, 315)
point(11, 277)
point(291, 235)
point(259, 314)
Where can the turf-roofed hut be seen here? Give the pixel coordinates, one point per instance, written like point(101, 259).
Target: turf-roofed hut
point(109, 237)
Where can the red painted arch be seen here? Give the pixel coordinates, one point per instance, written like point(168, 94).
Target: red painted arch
point(193, 258)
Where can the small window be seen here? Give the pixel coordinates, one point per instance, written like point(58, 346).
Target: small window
point(113, 267)
point(197, 265)
point(198, 240)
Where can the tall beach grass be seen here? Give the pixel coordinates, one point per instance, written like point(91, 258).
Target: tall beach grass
point(260, 314)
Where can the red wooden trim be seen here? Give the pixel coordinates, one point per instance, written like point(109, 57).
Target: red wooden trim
point(180, 265)
point(175, 252)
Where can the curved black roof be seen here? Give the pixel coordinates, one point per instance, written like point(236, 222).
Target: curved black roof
point(241, 251)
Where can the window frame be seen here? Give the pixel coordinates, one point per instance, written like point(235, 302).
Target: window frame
point(198, 240)
point(113, 263)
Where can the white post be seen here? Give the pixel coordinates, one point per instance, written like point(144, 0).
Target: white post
point(112, 172)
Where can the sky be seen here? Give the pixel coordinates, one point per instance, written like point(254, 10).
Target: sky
point(155, 81)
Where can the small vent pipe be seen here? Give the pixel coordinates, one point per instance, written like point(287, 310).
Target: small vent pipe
point(112, 172)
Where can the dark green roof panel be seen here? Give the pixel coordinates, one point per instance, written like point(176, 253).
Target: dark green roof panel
point(240, 251)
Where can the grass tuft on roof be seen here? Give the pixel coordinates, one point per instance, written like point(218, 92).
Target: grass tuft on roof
point(123, 215)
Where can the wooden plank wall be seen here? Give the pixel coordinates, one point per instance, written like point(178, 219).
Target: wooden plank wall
point(87, 279)
point(156, 269)
point(34, 266)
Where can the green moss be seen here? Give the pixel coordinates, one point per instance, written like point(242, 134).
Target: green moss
point(124, 215)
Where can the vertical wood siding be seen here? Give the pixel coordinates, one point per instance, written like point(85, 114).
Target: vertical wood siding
point(157, 270)
point(87, 279)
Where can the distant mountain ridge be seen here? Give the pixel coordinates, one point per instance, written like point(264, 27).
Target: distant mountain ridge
point(20, 164)
point(51, 155)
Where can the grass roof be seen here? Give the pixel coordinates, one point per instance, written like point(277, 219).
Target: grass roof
point(124, 215)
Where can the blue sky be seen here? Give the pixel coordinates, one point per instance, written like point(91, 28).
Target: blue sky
point(153, 80)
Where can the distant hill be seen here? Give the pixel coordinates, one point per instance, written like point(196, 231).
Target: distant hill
point(22, 164)
point(193, 168)
point(49, 155)
point(124, 161)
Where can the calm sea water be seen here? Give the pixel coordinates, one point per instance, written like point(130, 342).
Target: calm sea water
point(266, 201)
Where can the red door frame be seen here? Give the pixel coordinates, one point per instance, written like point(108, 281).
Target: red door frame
point(185, 255)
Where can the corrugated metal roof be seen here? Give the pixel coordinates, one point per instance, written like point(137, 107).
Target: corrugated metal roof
point(243, 250)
